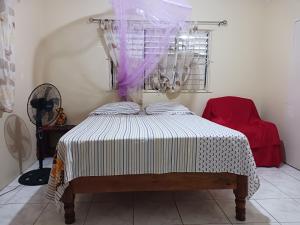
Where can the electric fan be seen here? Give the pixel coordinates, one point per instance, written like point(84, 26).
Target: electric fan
point(41, 108)
point(17, 139)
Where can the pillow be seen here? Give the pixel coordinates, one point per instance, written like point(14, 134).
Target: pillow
point(117, 108)
point(170, 108)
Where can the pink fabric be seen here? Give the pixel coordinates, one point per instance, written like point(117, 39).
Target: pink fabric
point(167, 16)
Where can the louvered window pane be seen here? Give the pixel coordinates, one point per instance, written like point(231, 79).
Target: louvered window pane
point(193, 43)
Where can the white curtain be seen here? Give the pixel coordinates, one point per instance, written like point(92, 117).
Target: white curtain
point(7, 57)
point(181, 68)
point(174, 69)
point(172, 72)
point(109, 32)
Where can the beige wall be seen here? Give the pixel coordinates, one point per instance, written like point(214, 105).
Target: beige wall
point(56, 44)
point(28, 14)
point(280, 98)
point(72, 57)
point(236, 67)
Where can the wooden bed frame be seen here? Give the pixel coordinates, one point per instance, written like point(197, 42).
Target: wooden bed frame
point(163, 182)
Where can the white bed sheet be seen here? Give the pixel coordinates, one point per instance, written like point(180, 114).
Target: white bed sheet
point(143, 144)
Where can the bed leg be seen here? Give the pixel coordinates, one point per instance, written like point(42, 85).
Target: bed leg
point(68, 200)
point(241, 192)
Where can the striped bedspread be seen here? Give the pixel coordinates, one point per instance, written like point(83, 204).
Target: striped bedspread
point(143, 144)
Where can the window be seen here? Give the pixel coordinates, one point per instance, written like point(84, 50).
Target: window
point(186, 65)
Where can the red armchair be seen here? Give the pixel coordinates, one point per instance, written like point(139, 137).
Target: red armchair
point(240, 114)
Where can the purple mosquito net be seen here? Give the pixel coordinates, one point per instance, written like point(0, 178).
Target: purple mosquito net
point(162, 19)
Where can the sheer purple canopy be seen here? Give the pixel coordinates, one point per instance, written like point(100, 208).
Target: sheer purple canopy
point(162, 19)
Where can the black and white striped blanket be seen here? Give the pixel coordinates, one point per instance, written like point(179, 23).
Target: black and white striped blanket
point(142, 144)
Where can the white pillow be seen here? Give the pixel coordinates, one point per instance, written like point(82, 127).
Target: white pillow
point(169, 108)
point(117, 108)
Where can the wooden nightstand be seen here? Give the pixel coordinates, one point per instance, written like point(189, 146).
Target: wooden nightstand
point(51, 136)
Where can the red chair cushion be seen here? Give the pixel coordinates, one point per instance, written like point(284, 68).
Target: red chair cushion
point(241, 114)
point(232, 110)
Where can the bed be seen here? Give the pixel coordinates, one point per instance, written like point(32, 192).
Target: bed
point(125, 153)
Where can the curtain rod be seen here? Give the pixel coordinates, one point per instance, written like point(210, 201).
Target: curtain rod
point(218, 23)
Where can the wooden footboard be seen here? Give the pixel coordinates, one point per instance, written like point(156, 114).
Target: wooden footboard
point(163, 182)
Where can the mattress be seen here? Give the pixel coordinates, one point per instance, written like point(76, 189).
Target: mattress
point(110, 145)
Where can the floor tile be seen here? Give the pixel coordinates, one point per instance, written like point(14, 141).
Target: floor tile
point(297, 199)
point(50, 215)
point(158, 213)
point(265, 171)
point(113, 197)
point(15, 182)
point(283, 210)
point(272, 201)
point(290, 223)
point(110, 214)
point(35, 194)
point(48, 162)
point(34, 166)
point(279, 178)
point(160, 196)
point(286, 184)
point(209, 224)
point(291, 171)
point(270, 223)
point(254, 212)
point(8, 193)
point(84, 198)
point(222, 194)
point(289, 188)
point(204, 212)
point(20, 214)
point(268, 191)
point(192, 196)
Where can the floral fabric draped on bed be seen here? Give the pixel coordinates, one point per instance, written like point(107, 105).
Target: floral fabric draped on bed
point(7, 59)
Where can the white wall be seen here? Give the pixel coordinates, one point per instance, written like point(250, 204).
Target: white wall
point(56, 44)
point(28, 14)
point(281, 96)
point(237, 65)
point(72, 57)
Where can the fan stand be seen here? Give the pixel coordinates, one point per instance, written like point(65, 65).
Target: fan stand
point(35, 177)
point(40, 176)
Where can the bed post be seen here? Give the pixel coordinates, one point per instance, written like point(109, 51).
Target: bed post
point(241, 192)
point(68, 200)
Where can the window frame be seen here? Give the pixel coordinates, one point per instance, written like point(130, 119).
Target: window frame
point(206, 89)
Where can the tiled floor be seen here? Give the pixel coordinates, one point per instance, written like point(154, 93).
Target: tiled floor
point(276, 202)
